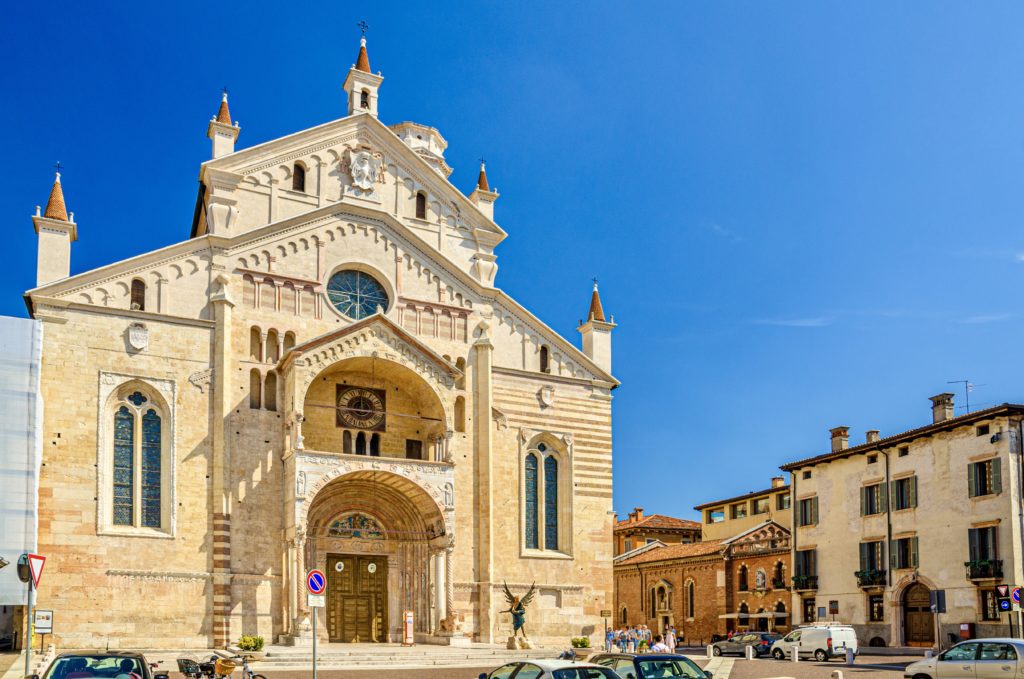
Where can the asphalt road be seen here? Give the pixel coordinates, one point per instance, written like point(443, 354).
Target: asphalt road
point(432, 673)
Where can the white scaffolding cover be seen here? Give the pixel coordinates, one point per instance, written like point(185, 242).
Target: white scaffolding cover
point(21, 447)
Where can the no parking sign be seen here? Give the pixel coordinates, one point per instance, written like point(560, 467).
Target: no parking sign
point(316, 581)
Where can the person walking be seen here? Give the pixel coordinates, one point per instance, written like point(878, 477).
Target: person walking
point(609, 637)
point(670, 639)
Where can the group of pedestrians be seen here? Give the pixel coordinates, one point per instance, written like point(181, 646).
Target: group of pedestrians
point(640, 639)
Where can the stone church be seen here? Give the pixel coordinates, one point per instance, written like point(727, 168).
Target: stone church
point(323, 374)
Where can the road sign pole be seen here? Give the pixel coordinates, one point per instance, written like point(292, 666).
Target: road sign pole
point(314, 642)
point(28, 630)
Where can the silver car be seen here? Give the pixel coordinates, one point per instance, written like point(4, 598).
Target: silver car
point(975, 659)
point(550, 669)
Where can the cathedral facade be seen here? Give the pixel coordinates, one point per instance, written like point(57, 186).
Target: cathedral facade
point(322, 375)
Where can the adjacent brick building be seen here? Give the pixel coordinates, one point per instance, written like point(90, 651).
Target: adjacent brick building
point(638, 530)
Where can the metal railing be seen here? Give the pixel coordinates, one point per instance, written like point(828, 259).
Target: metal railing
point(870, 578)
point(984, 569)
point(805, 582)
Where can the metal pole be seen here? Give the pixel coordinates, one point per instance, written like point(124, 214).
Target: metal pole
point(28, 629)
point(314, 641)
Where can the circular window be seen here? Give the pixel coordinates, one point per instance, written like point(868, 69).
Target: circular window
point(356, 294)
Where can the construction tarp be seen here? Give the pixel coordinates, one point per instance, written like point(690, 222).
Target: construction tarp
point(21, 448)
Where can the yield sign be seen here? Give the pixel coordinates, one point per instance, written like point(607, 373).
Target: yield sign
point(35, 566)
point(1003, 590)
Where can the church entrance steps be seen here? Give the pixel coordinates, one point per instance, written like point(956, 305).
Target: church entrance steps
point(345, 656)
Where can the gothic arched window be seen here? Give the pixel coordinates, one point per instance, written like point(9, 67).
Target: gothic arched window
point(137, 487)
point(532, 541)
point(550, 503)
point(689, 599)
point(298, 178)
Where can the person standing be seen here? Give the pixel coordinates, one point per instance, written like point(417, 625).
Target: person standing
point(609, 637)
point(670, 639)
point(659, 646)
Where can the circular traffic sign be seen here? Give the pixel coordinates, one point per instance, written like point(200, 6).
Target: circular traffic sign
point(316, 581)
point(1015, 594)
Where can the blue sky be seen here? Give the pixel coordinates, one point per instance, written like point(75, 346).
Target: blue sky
point(802, 214)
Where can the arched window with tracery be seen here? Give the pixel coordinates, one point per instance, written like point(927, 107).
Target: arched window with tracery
point(545, 485)
point(298, 178)
point(137, 480)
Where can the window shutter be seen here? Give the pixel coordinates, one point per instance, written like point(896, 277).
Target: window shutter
point(997, 481)
point(864, 565)
point(863, 501)
point(893, 561)
point(972, 483)
point(912, 484)
point(913, 553)
point(814, 510)
point(883, 499)
point(972, 543)
point(894, 494)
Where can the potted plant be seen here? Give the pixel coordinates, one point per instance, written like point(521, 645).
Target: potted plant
point(251, 647)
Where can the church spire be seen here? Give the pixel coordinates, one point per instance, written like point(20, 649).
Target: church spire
point(55, 208)
point(221, 131)
point(223, 114)
point(481, 181)
point(596, 311)
point(363, 60)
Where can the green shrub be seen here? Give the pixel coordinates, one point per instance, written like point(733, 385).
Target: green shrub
point(581, 642)
point(249, 643)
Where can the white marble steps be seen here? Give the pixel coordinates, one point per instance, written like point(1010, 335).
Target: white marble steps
point(284, 658)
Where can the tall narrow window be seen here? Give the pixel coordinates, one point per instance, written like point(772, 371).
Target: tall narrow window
point(531, 502)
point(255, 344)
point(743, 620)
point(375, 445)
point(138, 295)
point(689, 599)
point(550, 503)
point(151, 469)
point(361, 443)
point(364, 99)
point(346, 442)
point(298, 178)
point(289, 341)
point(270, 391)
point(421, 205)
point(124, 467)
point(460, 413)
point(271, 352)
point(255, 386)
point(743, 579)
point(545, 360)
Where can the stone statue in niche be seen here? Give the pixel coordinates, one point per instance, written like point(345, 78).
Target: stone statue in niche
point(300, 484)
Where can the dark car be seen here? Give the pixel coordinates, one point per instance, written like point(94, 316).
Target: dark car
point(761, 641)
point(651, 665)
point(102, 664)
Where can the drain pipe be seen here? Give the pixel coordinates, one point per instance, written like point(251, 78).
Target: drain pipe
point(888, 520)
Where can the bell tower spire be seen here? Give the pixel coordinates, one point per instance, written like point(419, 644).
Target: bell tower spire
point(221, 131)
point(597, 333)
point(361, 85)
point(56, 230)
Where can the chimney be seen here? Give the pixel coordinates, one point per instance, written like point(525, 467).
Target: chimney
point(942, 407)
point(872, 435)
point(840, 438)
point(778, 481)
point(639, 513)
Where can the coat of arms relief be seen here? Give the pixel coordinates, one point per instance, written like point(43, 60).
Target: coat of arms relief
point(364, 167)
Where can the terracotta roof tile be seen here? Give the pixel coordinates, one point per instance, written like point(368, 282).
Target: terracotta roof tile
point(927, 430)
point(223, 114)
point(55, 208)
point(596, 311)
point(481, 181)
point(363, 60)
point(659, 521)
point(680, 551)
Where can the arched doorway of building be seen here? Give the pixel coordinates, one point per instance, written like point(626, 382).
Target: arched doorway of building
point(762, 620)
point(918, 619)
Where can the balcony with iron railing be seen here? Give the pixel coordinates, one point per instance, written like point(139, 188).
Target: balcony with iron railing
point(779, 583)
point(803, 583)
point(870, 578)
point(984, 569)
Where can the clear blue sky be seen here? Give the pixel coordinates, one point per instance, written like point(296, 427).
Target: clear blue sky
point(802, 214)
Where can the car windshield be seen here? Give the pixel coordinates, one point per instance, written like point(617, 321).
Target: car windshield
point(668, 668)
point(584, 673)
point(85, 666)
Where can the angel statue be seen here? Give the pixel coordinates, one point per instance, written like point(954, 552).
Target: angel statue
point(517, 607)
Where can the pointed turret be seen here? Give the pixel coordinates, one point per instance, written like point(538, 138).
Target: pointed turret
point(360, 85)
point(221, 131)
point(483, 197)
point(56, 231)
point(597, 333)
point(55, 208)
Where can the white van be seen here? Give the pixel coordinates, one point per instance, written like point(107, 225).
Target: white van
point(822, 642)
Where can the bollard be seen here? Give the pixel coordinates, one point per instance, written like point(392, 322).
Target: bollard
point(837, 674)
point(748, 651)
point(796, 652)
point(711, 651)
point(850, 657)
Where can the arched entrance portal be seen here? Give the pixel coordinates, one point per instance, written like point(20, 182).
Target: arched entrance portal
point(918, 619)
point(381, 539)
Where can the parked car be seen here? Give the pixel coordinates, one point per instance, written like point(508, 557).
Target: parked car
point(972, 659)
point(649, 665)
point(822, 642)
point(103, 664)
point(761, 641)
point(550, 669)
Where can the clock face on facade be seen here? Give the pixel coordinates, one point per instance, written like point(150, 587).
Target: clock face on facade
point(361, 408)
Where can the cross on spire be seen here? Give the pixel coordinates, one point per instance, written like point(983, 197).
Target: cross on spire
point(59, 166)
point(595, 283)
point(224, 90)
point(362, 26)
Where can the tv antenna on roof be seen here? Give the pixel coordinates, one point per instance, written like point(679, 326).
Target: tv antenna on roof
point(968, 388)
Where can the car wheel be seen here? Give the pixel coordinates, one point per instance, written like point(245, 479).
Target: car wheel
point(716, 650)
point(778, 654)
point(821, 656)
